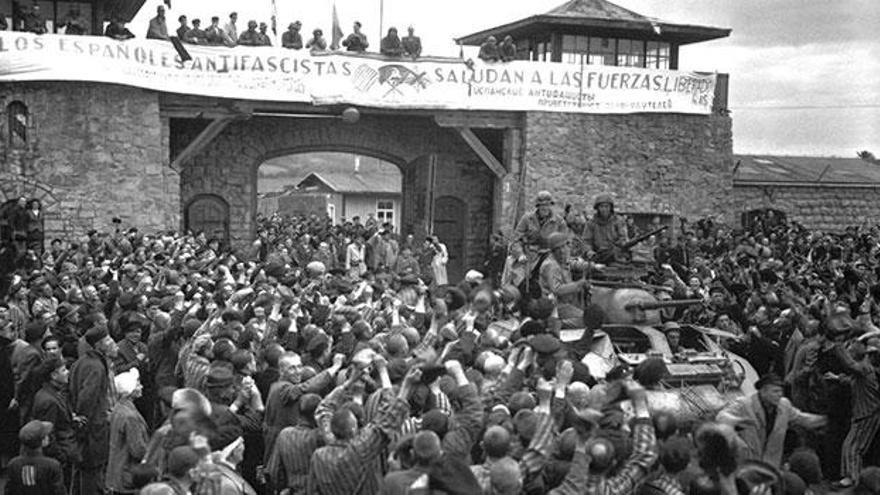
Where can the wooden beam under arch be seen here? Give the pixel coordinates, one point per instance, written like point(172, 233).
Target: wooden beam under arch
point(480, 149)
point(203, 139)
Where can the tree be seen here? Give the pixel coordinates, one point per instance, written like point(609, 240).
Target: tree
point(868, 156)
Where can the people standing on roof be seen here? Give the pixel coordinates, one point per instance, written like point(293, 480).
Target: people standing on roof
point(412, 44)
point(158, 29)
point(356, 41)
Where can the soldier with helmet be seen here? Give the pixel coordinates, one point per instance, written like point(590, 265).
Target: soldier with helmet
point(557, 284)
point(535, 227)
point(604, 233)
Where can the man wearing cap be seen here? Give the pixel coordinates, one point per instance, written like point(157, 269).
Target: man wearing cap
point(291, 38)
point(535, 227)
point(556, 283)
point(672, 331)
point(604, 232)
point(762, 419)
point(51, 404)
point(32, 472)
point(91, 395)
point(24, 360)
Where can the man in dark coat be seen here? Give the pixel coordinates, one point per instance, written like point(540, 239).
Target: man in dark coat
point(8, 410)
point(390, 45)
point(51, 404)
point(24, 360)
point(412, 44)
point(282, 406)
point(90, 393)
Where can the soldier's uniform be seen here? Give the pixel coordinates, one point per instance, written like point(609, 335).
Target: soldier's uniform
point(603, 235)
point(534, 229)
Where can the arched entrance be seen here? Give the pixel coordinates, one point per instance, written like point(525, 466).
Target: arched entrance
point(450, 217)
point(208, 213)
point(433, 158)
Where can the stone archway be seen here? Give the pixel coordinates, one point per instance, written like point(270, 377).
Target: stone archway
point(434, 162)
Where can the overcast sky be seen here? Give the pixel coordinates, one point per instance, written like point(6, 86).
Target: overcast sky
point(804, 74)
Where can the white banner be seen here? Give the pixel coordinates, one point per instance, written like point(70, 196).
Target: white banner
point(274, 74)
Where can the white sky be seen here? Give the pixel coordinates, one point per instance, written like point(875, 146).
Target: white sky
point(804, 74)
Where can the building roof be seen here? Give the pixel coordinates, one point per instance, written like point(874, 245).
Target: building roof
point(804, 170)
point(602, 18)
point(124, 9)
point(353, 183)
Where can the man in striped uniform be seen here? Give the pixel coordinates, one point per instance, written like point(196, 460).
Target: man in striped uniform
point(865, 414)
point(345, 466)
point(288, 465)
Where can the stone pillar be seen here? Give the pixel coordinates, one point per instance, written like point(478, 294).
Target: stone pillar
point(508, 190)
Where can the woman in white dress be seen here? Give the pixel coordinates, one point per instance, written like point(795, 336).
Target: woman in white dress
point(354, 258)
point(438, 262)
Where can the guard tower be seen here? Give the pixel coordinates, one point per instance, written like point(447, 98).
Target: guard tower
point(598, 32)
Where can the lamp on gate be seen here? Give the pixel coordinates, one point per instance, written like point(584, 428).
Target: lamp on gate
point(350, 115)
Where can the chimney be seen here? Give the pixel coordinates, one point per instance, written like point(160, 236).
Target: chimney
point(357, 164)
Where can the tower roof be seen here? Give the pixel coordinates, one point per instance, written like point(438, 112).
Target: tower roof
point(602, 18)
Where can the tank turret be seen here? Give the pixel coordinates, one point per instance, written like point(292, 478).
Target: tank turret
point(631, 304)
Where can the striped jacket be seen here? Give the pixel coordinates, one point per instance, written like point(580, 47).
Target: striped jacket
point(290, 458)
point(626, 479)
point(345, 468)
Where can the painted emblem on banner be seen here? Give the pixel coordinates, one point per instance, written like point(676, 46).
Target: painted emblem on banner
point(395, 77)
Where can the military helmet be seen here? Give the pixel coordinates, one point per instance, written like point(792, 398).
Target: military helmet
point(544, 198)
point(603, 198)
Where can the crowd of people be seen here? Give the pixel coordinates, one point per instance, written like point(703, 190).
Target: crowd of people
point(29, 18)
point(339, 359)
point(192, 31)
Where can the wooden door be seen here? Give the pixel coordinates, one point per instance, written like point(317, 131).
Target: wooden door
point(450, 214)
point(209, 213)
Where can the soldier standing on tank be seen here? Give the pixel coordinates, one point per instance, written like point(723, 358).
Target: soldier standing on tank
point(557, 283)
point(535, 227)
point(604, 233)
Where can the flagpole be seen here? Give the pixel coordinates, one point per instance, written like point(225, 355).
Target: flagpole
point(381, 19)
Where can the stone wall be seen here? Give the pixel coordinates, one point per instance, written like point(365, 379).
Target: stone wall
point(663, 163)
point(94, 152)
point(829, 209)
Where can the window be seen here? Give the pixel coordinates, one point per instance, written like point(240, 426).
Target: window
point(657, 56)
point(542, 51)
point(602, 51)
point(631, 53)
point(385, 211)
point(17, 127)
point(575, 49)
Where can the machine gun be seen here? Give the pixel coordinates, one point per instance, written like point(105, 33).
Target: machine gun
point(621, 254)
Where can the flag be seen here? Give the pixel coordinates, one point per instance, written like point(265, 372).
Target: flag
point(337, 30)
point(657, 29)
point(275, 19)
